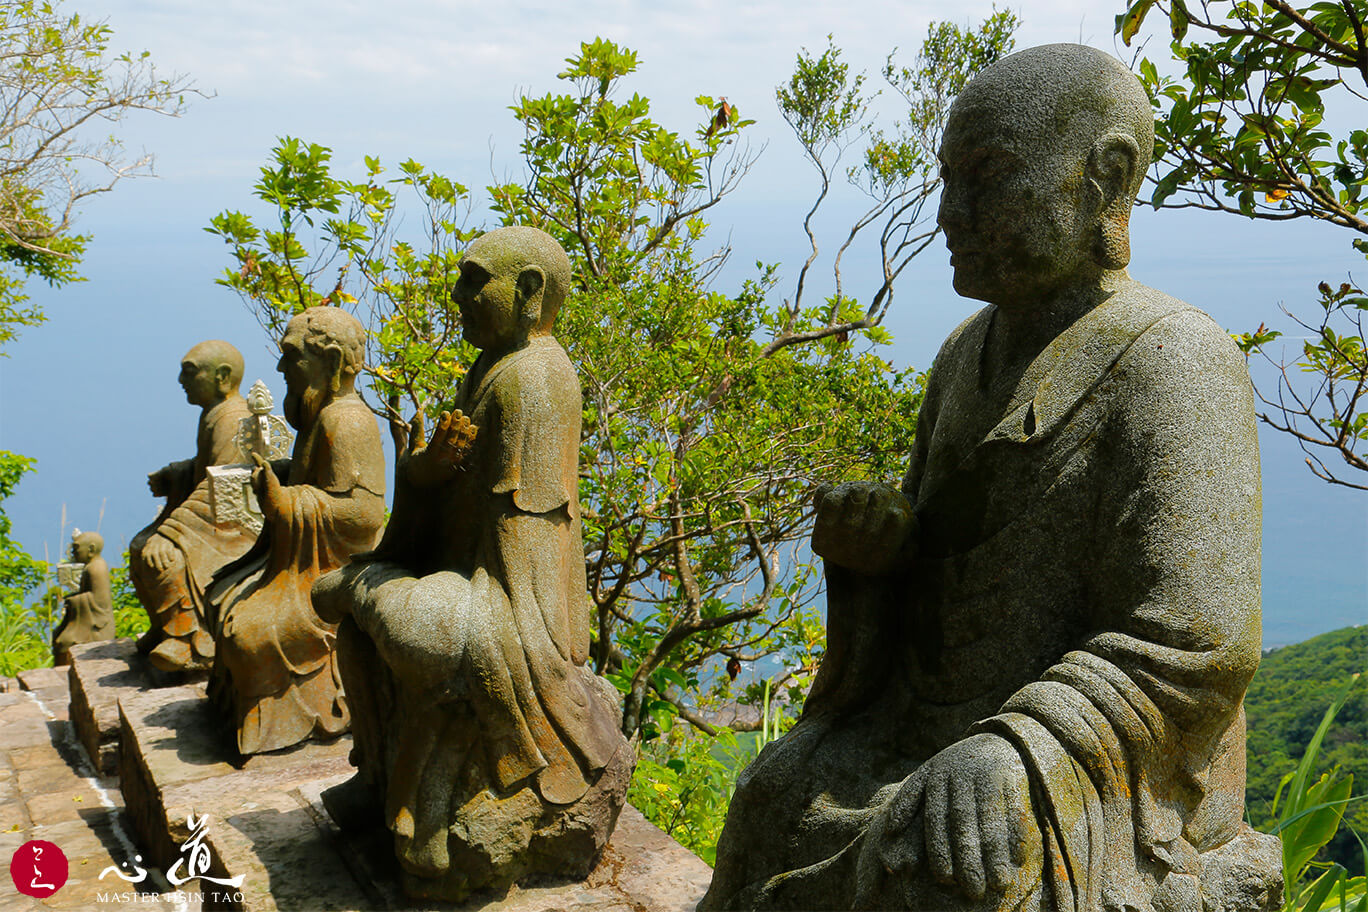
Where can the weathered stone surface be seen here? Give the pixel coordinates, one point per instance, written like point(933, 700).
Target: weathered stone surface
point(43, 678)
point(100, 674)
point(1244, 875)
point(173, 559)
point(89, 611)
point(493, 747)
point(270, 822)
point(275, 675)
point(173, 742)
point(1038, 647)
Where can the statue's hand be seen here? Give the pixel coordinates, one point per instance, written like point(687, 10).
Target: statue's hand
point(157, 483)
point(270, 493)
point(159, 552)
point(964, 817)
point(452, 440)
point(864, 526)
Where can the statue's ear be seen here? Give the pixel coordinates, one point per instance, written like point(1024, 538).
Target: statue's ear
point(223, 375)
point(1113, 165)
point(332, 357)
point(531, 284)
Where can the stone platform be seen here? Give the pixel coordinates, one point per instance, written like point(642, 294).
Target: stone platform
point(273, 819)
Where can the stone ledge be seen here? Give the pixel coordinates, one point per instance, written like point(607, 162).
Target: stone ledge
point(268, 820)
point(101, 673)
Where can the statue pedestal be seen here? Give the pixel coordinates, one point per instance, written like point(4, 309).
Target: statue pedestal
point(287, 822)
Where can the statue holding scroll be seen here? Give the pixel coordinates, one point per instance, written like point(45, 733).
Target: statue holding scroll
point(1038, 648)
point(172, 560)
point(495, 751)
point(274, 672)
point(89, 615)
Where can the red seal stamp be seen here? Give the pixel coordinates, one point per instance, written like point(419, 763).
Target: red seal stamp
point(38, 868)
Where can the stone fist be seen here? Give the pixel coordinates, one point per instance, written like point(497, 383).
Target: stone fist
point(270, 493)
point(965, 818)
point(157, 483)
point(863, 526)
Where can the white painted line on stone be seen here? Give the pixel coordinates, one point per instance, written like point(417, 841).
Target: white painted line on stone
point(86, 771)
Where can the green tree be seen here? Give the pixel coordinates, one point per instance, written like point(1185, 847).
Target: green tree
point(1245, 131)
point(710, 415)
point(22, 643)
point(62, 91)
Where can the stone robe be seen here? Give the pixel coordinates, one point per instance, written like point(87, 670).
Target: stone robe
point(464, 656)
point(174, 597)
point(89, 614)
point(275, 671)
point(1086, 587)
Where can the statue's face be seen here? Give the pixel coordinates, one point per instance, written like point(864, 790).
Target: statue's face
point(487, 295)
point(306, 376)
point(82, 552)
point(199, 380)
point(1010, 206)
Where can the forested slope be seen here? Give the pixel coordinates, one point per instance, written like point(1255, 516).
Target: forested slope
point(1285, 704)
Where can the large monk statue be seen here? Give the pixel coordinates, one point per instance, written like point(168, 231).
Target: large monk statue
point(172, 561)
point(275, 673)
point(1038, 648)
point(494, 750)
point(89, 615)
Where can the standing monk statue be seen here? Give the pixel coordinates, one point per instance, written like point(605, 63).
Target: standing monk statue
point(1038, 648)
point(275, 674)
point(172, 561)
point(90, 609)
point(495, 750)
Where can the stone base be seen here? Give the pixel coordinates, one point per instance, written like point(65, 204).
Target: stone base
point(266, 820)
point(100, 673)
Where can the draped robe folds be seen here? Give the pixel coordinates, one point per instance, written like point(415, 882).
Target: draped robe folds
point(464, 656)
point(89, 614)
point(1086, 588)
point(174, 597)
point(275, 671)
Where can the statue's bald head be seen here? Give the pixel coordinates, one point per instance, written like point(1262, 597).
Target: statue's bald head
point(86, 545)
point(509, 251)
point(1042, 156)
point(216, 353)
point(1067, 97)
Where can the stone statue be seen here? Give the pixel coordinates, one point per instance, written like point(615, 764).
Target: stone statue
point(274, 672)
point(1038, 649)
point(89, 613)
point(464, 638)
point(172, 560)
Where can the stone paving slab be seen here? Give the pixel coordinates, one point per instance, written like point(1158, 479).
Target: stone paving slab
point(100, 674)
point(270, 819)
point(48, 791)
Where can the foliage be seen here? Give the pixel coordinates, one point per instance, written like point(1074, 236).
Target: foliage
point(62, 90)
point(1285, 704)
point(22, 640)
point(684, 781)
point(1245, 131)
point(1310, 815)
point(130, 618)
point(336, 242)
point(899, 172)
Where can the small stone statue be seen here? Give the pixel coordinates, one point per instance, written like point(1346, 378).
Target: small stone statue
point(172, 560)
point(90, 609)
point(274, 671)
point(495, 751)
point(1038, 648)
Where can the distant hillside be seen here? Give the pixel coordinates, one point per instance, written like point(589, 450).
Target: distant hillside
point(1285, 704)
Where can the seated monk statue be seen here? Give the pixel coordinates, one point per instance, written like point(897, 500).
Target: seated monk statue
point(274, 672)
point(494, 750)
point(89, 613)
point(1038, 649)
point(172, 560)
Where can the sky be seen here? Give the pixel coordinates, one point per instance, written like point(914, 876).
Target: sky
point(92, 393)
